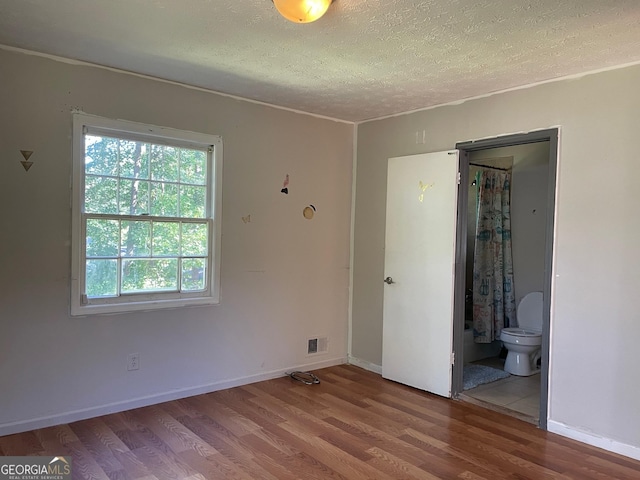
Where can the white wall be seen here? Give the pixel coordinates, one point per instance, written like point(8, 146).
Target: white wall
point(594, 389)
point(284, 278)
point(530, 177)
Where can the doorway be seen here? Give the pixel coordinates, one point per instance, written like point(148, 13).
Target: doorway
point(532, 226)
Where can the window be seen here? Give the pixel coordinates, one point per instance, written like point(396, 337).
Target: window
point(146, 217)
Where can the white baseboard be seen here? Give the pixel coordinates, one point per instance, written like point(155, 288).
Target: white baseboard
point(594, 440)
point(372, 367)
point(97, 411)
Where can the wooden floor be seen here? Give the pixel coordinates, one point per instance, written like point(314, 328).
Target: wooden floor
point(353, 425)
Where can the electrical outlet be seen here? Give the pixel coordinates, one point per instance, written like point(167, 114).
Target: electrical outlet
point(133, 361)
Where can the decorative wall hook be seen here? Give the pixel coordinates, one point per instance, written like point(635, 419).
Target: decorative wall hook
point(423, 187)
point(26, 163)
point(308, 212)
point(285, 185)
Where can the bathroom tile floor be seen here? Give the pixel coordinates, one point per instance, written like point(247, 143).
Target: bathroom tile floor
point(519, 394)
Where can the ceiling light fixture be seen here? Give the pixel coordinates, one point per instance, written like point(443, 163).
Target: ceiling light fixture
point(302, 11)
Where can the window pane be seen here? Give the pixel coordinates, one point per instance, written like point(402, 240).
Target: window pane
point(166, 239)
point(101, 155)
point(134, 159)
point(134, 197)
point(192, 201)
point(136, 239)
point(164, 163)
point(103, 238)
point(193, 274)
point(193, 166)
point(100, 195)
point(194, 239)
point(164, 199)
point(146, 275)
point(101, 278)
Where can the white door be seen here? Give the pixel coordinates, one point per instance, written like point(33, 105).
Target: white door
point(417, 338)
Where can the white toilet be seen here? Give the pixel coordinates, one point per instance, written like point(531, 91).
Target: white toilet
point(523, 343)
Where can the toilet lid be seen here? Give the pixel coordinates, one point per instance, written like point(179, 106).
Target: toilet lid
point(530, 312)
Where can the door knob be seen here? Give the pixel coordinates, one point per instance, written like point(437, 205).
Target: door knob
point(389, 280)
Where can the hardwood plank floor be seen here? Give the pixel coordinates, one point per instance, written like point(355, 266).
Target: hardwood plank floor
point(353, 425)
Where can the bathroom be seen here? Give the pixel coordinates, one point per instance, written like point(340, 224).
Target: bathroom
point(528, 165)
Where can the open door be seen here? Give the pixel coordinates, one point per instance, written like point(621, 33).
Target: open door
point(417, 338)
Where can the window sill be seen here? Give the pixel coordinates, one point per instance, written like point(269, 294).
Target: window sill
point(140, 306)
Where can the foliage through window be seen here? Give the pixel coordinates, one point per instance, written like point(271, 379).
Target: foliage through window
point(146, 216)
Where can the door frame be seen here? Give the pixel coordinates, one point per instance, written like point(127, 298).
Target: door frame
point(550, 135)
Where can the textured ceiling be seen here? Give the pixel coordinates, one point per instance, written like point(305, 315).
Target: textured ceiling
point(364, 59)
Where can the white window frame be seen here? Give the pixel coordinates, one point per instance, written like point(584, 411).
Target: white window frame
point(80, 304)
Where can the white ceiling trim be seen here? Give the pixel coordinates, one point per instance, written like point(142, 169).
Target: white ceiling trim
point(575, 76)
point(82, 63)
point(364, 60)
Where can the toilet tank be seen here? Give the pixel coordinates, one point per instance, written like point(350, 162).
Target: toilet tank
point(530, 312)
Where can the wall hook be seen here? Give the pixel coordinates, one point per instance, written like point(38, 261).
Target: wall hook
point(26, 154)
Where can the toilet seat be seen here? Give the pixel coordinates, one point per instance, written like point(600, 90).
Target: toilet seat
point(523, 343)
point(521, 332)
point(520, 336)
point(530, 320)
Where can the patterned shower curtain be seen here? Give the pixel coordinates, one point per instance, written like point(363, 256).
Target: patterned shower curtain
point(494, 306)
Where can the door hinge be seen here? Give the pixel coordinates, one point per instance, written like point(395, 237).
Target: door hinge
point(459, 178)
point(453, 358)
